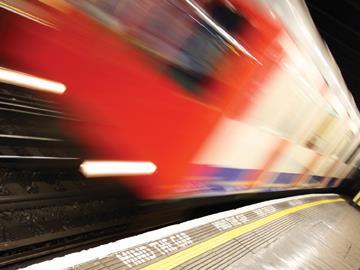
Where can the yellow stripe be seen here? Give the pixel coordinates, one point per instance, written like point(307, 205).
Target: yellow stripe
point(196, 250)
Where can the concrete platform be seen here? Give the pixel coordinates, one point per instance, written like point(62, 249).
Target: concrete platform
point(302, 232)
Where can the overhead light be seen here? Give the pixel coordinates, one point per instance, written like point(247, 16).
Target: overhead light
point(30, 81)
point(116, 168)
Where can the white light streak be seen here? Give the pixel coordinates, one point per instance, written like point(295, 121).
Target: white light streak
point(116, 168)
point(30, 81)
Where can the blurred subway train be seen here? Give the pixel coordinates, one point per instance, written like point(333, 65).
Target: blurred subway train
point(188, 98)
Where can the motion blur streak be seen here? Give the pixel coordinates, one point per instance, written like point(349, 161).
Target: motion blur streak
point(222, 32)
point(116, 168)
point(26, 80)
point(25, 14)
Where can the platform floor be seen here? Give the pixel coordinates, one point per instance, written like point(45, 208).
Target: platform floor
point(302, 232)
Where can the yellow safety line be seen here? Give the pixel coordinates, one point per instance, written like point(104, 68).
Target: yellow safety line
point(196, 250)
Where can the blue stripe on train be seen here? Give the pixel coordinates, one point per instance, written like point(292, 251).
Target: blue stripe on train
point(285, 178)
point(222, 173)
point(213, 174)
point(232, 174)
point(332, 182)
point(315, 179)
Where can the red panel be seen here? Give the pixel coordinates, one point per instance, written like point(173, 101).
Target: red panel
point(132, 111)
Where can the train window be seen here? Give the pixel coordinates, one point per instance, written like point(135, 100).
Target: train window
point(204, 47)
point(186, 36)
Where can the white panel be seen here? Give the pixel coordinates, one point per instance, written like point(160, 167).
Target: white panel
point(236, 144)
point(294, 160)
point(290, 96)
point(322, 167)
point(339, 170)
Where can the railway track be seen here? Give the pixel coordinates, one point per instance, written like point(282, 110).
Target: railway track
point(46, 205)
point(51, 226)
point(36, 158)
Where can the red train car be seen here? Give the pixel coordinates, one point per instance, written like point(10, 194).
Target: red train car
point(182, 86)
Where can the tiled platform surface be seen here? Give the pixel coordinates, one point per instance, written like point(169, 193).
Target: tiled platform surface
point(302, 232)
